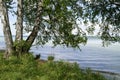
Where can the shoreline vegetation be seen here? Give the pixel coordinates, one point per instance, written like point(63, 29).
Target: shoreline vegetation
point(91, 74)
point(109, 75)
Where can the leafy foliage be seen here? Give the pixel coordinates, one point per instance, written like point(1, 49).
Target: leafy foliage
point(21, 45)
point(26, 68)
point(106, 14)
point(50, 58)
point(58, 21)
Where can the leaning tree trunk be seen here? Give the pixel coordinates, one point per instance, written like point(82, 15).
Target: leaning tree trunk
point(35, 30)
point(19, 27)
point(6, 29)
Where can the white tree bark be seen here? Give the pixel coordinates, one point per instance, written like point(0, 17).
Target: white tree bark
point(19, 24)
point(6, 29)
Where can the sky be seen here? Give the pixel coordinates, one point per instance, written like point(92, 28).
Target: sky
point(1, 28)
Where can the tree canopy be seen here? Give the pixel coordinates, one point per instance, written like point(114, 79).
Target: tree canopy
point(105, 13)
point(58, 20)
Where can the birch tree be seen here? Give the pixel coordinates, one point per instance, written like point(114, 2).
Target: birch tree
point(55, 20)
point(6, 29)
point(19, 27)
point(46, 20)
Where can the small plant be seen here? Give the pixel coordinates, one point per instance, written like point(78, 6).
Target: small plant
point(50, 58)
point(21, 45)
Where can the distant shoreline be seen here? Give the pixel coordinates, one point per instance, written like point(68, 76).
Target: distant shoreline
point(109, 75)
point(106, 72)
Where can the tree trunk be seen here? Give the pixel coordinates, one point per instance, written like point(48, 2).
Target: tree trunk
point(19, 24)
point(35, 30)
point(19, 27)
point(6, 29)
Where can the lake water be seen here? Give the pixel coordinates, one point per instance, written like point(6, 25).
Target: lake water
point(93, 55)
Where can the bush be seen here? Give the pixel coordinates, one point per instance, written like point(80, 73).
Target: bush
point(50, 58)
point(26, 68)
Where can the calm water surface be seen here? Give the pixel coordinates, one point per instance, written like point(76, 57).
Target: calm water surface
point(93, 55)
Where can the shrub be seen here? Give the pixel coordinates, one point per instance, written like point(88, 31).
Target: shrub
point(50, 58)
point(26, 68)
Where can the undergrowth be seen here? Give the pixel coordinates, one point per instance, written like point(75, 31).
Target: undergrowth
point(26, 68)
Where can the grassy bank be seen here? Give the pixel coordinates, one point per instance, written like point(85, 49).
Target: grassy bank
point(26, 68)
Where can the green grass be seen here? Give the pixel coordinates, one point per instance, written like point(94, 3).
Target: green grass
point(26, 68)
